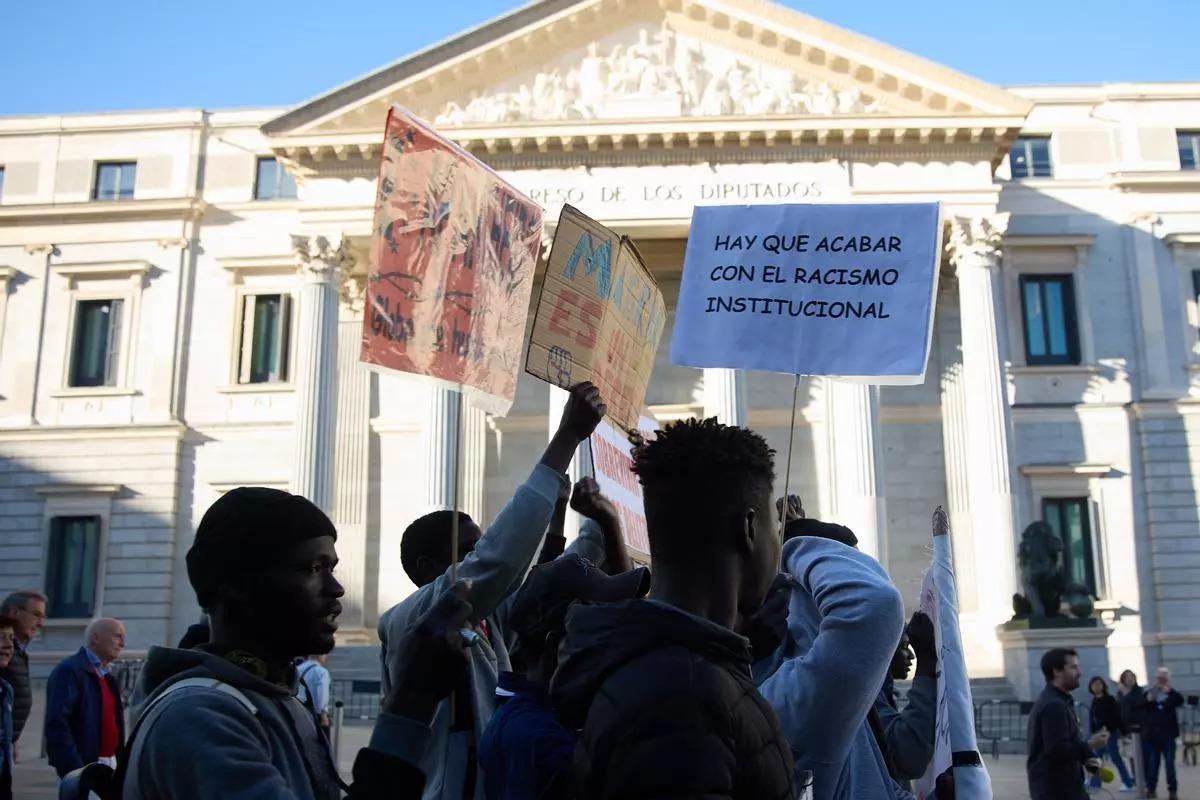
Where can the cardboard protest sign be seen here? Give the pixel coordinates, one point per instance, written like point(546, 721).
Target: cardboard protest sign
point(612, 467)
point(453, 254)
point(955, 745)
point(838, 290)
point(599, 317)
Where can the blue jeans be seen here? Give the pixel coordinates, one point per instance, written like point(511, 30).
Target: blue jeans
point(1113, 751)
point(1160, 750)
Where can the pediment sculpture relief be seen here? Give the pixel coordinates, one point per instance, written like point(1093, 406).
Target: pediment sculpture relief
point(659, 74)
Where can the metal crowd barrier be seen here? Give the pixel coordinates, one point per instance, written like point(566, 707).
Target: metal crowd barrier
point(360, 699)
point(1001, 721)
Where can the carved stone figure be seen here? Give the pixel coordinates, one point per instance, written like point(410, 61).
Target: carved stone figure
point(668, 71)
point(1044, 579)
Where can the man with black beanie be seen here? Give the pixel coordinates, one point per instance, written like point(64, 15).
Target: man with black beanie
point(222, 719)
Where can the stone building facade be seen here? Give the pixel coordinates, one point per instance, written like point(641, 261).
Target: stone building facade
point(181, 306)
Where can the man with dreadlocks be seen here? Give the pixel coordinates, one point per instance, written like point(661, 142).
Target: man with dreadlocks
point(661, 687)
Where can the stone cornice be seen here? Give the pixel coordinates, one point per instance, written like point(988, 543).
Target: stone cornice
point(1087, 470)
point(185, 208)
point(77, 271)
point(991, 135)
point(79, 490)
point(41, 433)
point(1160, 181)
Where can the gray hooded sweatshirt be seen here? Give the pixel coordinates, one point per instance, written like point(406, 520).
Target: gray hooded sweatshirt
point(203, 742)
point(844, 621)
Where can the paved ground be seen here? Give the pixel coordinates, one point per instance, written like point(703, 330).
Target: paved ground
point(35, 779)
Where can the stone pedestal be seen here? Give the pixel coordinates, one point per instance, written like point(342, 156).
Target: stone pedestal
point(1023, 649)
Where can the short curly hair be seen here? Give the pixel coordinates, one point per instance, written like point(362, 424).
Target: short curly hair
point(695, 471)
point(429, 536)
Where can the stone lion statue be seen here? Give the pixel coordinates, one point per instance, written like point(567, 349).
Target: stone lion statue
point(1044, 578)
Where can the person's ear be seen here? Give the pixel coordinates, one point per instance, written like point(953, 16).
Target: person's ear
point(550, 652)
point(424, 566)
point(749, 530)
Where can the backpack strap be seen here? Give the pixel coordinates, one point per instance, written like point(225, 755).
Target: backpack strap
point(206, 683)
point(116, 789)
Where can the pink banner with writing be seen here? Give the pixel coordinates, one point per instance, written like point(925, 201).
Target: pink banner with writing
point(452, 258)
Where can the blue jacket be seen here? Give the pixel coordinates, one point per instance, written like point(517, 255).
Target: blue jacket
point(6, 739)
point(73, 713)
point(845, 619)
point(524, 750)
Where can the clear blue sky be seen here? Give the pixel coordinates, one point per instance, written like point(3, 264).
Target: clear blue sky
point(89, 55)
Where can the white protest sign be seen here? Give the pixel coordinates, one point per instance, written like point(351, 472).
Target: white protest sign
point(954, 729)
point(844, 290)
point(612, 466)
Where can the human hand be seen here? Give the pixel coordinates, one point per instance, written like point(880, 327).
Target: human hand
point(434, 660)
point(583, 411)
point(941, 522)
point(590, 502)
point(1099, 739)
point(789, 508)
point(767, 627)
point(923, 638)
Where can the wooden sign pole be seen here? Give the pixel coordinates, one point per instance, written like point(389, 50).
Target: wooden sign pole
point(787, 475)
point(454, 493)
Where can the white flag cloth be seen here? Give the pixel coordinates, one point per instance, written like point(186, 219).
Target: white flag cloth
point(955, 726)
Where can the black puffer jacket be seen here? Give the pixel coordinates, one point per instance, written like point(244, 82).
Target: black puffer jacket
point(667, 708)
point(17, 674)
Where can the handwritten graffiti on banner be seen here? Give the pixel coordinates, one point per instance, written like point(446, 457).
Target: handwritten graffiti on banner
point(599, 317)
point(453, 254)
point(612, 462)
point(841, 289)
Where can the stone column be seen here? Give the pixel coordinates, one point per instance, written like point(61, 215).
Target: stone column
point(954, 438)
point(440, 447)
point(352, 474)
point(322, 266)
point(442, 452)
point(725, 396)
point(974, 250)
point(856, 463)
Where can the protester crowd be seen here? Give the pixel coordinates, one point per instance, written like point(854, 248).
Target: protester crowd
point(758, 662)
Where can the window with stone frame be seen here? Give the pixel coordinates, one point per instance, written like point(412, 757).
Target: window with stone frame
point(115, 180)
point(1029, 157)
point(1189, 149)
point(272, 181)
point(96, 343)
point(73, 566)
point(1, 184)
point(265, 350)
point(1070, 519)
point(1049, 320)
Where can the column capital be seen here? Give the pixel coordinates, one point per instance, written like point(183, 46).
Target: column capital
point(321, 261)
point(354, 292)
point(975, 241)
